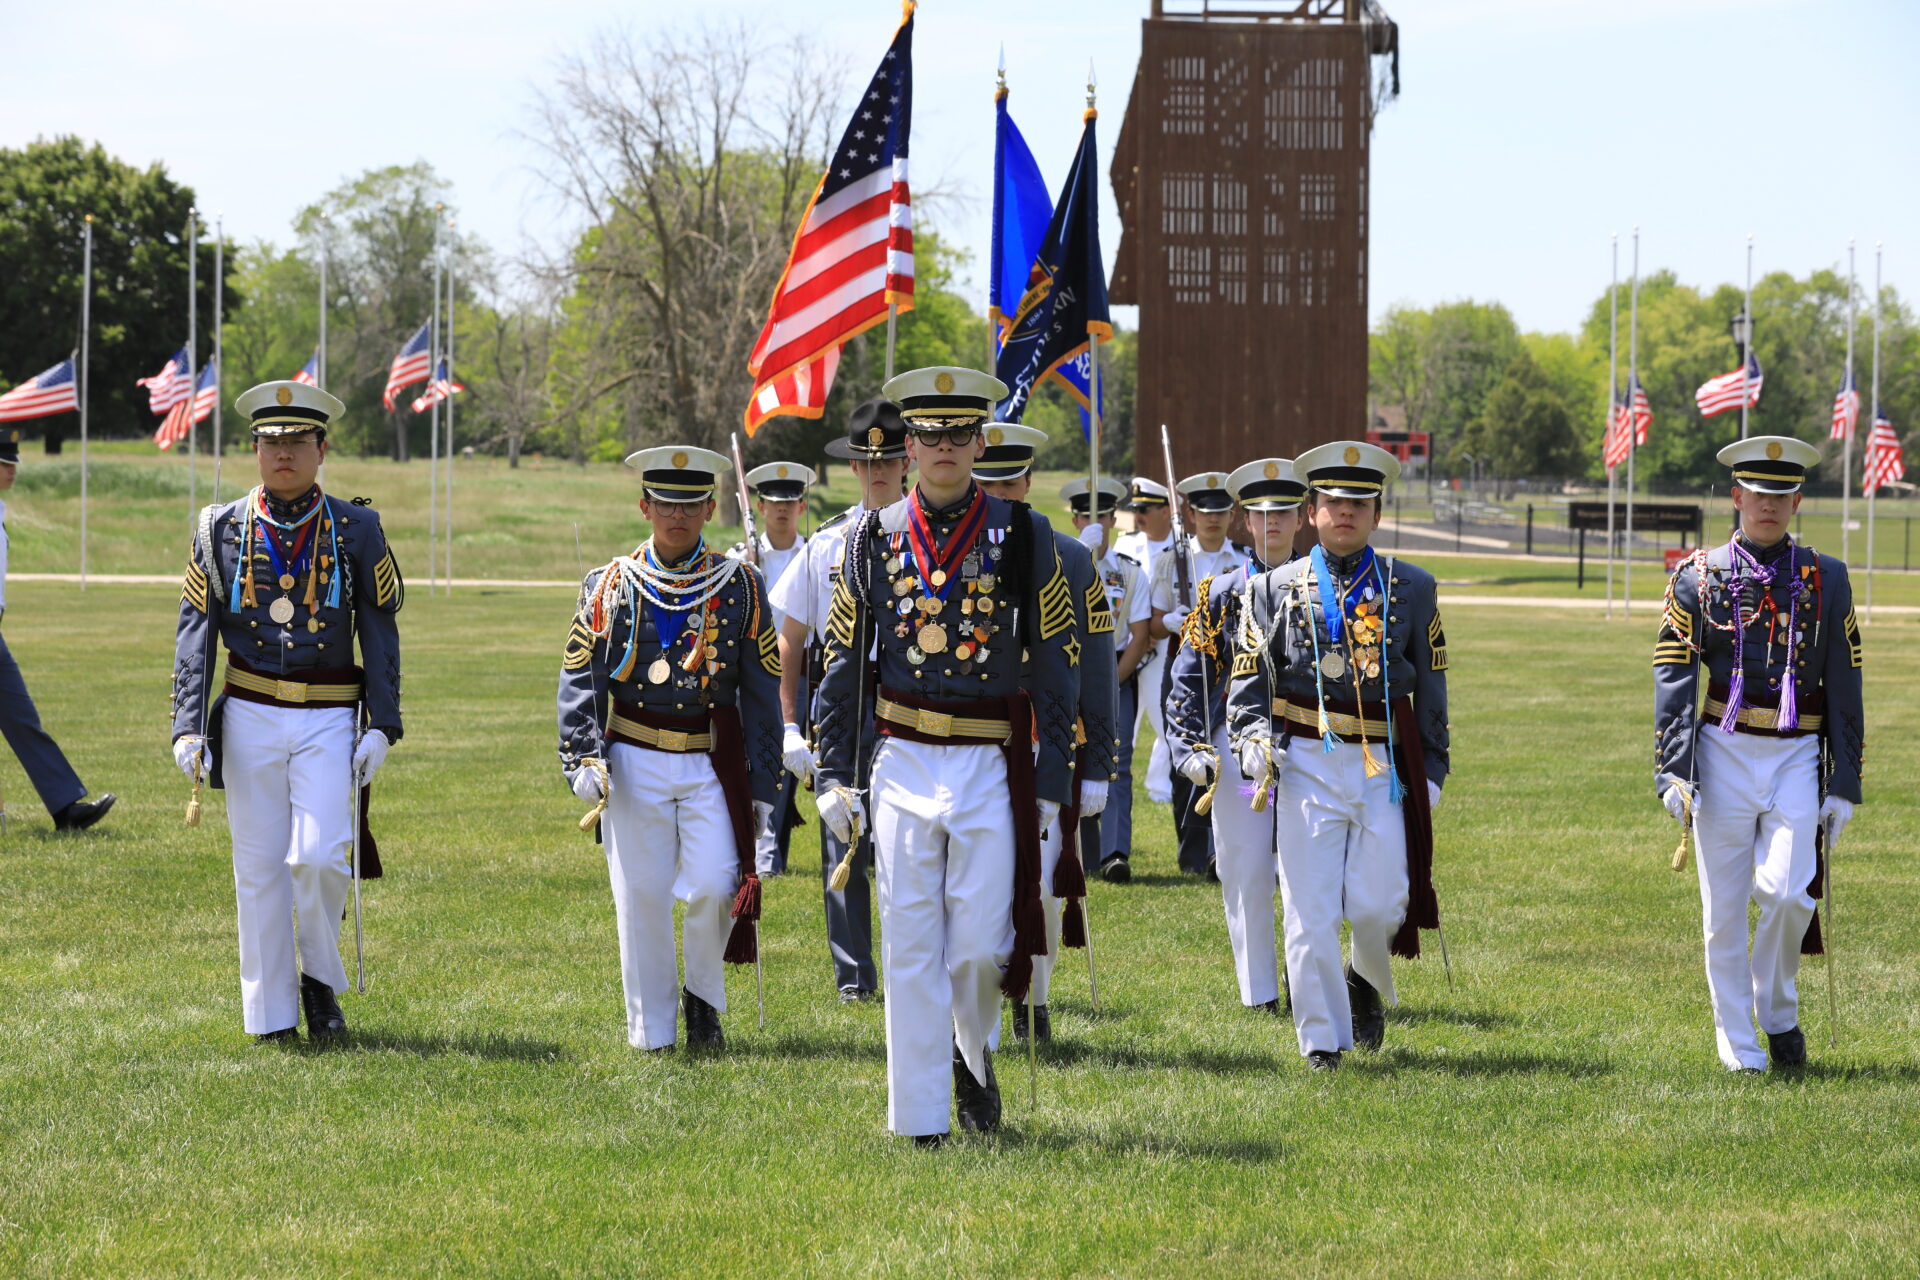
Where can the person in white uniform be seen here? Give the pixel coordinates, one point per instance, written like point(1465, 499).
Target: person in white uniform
point(1767, 769)
point(875, 449)
point(1172, 590)
point(779, 496)
point(670, 726)
point(286, 579)
point(971, 757)
point(1339, 696)
point(1148, 502)
point(1244, 839)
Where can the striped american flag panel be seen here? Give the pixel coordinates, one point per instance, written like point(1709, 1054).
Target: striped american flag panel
point(1846, 408)
point(51, 392)
point(1721, 394)
point(411, 365)
point(1884, 456)
point(173, 428)
point(168, 387)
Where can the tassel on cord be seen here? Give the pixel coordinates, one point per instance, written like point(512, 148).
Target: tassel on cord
point(741, 947)
point(1396, 789)
point(1679, 862)
point(1735, 692)
point(1370, 761)
point(1073, 925)
point(1263, 792)
point(842, 873)
point(1788, 717)
point(1327, 741)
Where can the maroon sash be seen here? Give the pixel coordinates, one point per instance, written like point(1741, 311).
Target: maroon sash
point(1069, 877)
point(1423, 904)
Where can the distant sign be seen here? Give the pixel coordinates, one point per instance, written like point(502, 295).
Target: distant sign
point(1404, 445)
point(1648, 517)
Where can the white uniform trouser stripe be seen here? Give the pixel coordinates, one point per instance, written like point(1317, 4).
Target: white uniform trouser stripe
point(1759, 806)
point(668, 837)
point(288, 774)
point(943, 850)
point(1244, 857)
point(1344, 856)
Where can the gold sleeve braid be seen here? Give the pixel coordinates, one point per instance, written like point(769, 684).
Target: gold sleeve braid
point(386, 583)
point(840, 614)
point(1056, 603)
point(1852, 629)
point(1201, 631)
point(194, 592)
point(579, 651)
point(1099, 610)
point(769, 645)
point(1673, 647)
point(1245, 663)
point(1437, 642)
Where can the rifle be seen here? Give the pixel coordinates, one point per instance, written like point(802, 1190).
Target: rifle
point(1182, 563)
point(746, 505)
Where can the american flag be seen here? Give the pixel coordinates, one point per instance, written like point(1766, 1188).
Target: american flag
point(439, 389)
point(853, 257)
point(1846, 408)
point(51, 392)
point(1619, 433)
point(173, 428)
point(1639, 411)
point(310, 371)
point(411, 365)
point(1884, 456)
point(1718, 395)
point(168, 387)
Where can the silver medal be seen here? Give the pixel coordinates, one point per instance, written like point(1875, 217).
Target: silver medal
point(1332, 666)
point(281, 610)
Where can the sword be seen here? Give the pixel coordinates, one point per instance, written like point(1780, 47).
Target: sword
point(353, 813)
point(1833, 988)
point(1446, 961)
point(1093, 983)
point(759, 977)
point(1033, 1053)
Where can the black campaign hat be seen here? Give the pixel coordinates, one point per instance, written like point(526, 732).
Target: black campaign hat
point(874, 431)
point(10, 445)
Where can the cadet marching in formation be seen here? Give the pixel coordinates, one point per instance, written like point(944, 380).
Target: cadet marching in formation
point(959, 684)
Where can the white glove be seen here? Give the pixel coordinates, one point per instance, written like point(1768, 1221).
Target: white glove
point(762, 817)
point(1048, 812)
point(1839, 813)
point(1174, 618)
point(1433, 795)
point(843, 812)
point(369, 755)
point(588, 781)
point(190, 753)
point(1092, 536)
point(1675, 798)
point(1093, 798)
point(1198, 768)
point(796, 753)
point(1253, 758)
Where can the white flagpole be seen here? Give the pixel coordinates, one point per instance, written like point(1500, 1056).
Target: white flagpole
point(1613, 392)
point(1746, 357)
point(193, 350)
point(1846, 447)
point(1633, 434)
point(326, 249)
point(1873, 493)
point(449, 403)
point(219, 374)
point(433, 419)
point(86, 352)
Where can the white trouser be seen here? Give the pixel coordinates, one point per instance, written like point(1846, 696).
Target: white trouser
point(943, 860)
point(1344, 855)
point(1759, 805)
point(288, 773)
point(1152, 680)
point(668, 836)
point(1243, 848)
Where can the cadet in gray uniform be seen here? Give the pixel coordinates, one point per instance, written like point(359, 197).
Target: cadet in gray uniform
point(285, 580)
point(1243, 838)
point(951, 583)
point(1005, 470)
point(669, 712)
point(1106, 840)
point(1774, 757)
point(1339, 696)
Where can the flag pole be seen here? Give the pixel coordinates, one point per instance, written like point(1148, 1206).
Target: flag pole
point(1633, 425)
point(449, 404)
point(1613, 406)
point(326, 249)
point(993, 324)
point(433, 419)
point(193, 350)
point(86, 352)
point(1746, 357)
point(219, 374)
point(1846, 446)
point(1873, 422)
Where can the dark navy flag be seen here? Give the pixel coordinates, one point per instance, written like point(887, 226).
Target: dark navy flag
point(1064, 309)
point(1020, 212)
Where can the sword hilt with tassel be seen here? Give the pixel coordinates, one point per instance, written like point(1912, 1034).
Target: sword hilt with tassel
point(591, 818)
point(1679, 861)
point(1204, 804)
point(844, 871)
point(193, 801)
point(1262, 789)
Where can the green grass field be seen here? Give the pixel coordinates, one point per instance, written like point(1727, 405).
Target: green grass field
point(1558, 1112)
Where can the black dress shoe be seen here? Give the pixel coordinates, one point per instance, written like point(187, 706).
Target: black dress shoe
point(82, 814)
point(1323, 1060)
point(929, 1141)
point(1271, 1006)
point(978, 1103)
point(703, 1022)
point(1042, 1023)
point(1213, 870)
point(1787, 1048)
point(1369, 1018)
point(324, 1019)
point(286, 1035)
point(1116, 870)
point(1019, 1020)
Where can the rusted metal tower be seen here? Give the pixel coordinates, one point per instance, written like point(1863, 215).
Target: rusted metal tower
point(1241, 175)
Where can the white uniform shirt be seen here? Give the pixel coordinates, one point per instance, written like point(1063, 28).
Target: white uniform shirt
point(1204, 564)
point(1126, 593)
point(773, 566)
point(804, 591)
point(1142, 550)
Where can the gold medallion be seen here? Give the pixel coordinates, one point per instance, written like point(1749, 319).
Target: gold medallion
point(985, 606)
point(286, 582)
point(938, 577)
point(935, 605)
point(659, 671)
point(1332, 666)
point(313, 626)
point(1373, 671)
point(281, 610)
point(901, 586)
point(932, 638)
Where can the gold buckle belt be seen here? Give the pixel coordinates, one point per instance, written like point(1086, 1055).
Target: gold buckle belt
point(295, 691)
point(1761, 718)
point(1341, 723)
point(660, 739)
point(937, 724)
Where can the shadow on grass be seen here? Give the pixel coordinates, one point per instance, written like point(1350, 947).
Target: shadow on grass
point(1414, 1015)
point(1219, 1062)
point(494, 1048)
point(1154, 879)
point(1847, 1072)
point(1481, 1065)
point(1137, 1142)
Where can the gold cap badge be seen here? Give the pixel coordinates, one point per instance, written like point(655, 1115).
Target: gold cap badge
point(1773, 450)
point(678, 460)
point(780, 472)
point(876, 437)
point(1271, 471)
point(943, 382)
point(995, 435)
point(284, 395)
point(1352, 456)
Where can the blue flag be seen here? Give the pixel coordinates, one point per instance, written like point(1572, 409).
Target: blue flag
point(1064, 308)
point(1020, 212)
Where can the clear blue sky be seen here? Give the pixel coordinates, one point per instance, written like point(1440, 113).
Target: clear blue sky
point(1529, 129)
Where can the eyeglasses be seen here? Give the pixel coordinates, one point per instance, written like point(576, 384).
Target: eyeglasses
point(958, 437)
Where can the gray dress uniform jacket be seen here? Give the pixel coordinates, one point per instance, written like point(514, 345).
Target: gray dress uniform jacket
point(1196, 696)
point(1696, 633)
point(1098, 759)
